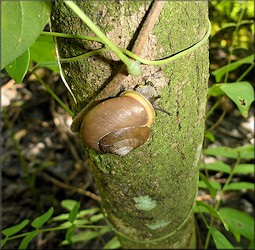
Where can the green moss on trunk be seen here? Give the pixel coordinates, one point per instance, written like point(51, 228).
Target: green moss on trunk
point(147, 195)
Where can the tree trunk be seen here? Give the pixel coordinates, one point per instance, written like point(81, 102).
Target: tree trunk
point(147, 195)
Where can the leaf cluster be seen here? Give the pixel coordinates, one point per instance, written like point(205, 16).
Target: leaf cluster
point(230, 25)
point(79, 226)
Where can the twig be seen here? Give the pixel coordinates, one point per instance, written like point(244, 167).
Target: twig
point(142, 37)
point(72, 188)
point(147, 27)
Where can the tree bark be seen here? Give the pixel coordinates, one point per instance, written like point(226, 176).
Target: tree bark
point(147, 195)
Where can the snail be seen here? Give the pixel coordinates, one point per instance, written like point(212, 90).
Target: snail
point(118, 125)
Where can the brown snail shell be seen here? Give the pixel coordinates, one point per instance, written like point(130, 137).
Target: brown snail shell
point(118, 125)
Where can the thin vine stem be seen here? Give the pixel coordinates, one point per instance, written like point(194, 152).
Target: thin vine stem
point(129, 53)
point(57, 34)
point(23, 162)
point(132, 67)
point(61, 72)
point(85, 55)
point(215, 105)
point(52, 229)
point(47, 87)
point(216, 124)
point(172, 57)
point(245, 73)
point(231, 49)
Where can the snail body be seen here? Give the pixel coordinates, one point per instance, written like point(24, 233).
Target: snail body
point(118, 125)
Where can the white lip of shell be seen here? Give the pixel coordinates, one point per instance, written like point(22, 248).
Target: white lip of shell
point(123, 150)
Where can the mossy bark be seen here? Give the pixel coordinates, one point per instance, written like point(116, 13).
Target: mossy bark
point(147, 195)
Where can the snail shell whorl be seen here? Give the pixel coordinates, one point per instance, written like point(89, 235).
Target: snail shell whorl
point(123, 141)
point(118, 125)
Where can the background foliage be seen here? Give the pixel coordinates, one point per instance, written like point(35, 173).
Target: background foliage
point(44, 172)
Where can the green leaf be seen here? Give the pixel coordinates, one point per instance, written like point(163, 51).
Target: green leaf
point(112, 244)
point(87, 235)
point(61, 217)
point(244, 169)
point(244, 152)
point(241, 93)
point(69, 233)
point(87, 212)
point(81, 214)
point(17, 69)
point(238, 221)
point(66, 224)
point(220, 240)
point(26, 240)
point(15, 229)
point(68, 204)
point(43, 52)
point(217, 166)
point(212, 186)
point(215, 90)
point(218, 73)
point(200, 205)
point(3, 242)
point(97, 217)
point(21, 23)
point(239, 186)
point(251, 245)
point(209, 136)
point(78, 222)
point(74, 212)
point(39, 221)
